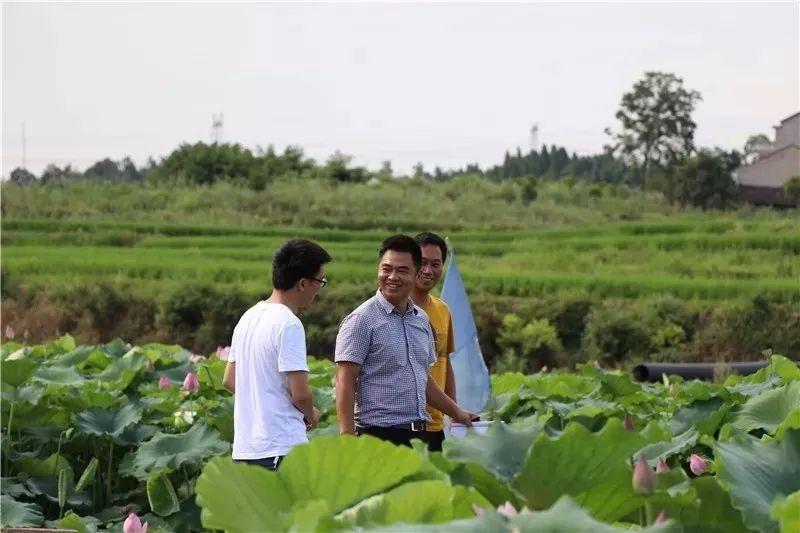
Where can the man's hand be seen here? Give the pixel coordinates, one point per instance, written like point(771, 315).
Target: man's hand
point(464, 417)
point(311, 424)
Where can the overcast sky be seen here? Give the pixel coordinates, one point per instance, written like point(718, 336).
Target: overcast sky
point(444, 84)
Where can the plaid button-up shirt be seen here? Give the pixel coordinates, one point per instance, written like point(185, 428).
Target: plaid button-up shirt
point(394, 351)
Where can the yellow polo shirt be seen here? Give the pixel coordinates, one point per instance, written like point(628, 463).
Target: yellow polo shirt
point(442, 325)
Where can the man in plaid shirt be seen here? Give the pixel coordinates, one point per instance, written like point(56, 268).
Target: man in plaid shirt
point(383, 353)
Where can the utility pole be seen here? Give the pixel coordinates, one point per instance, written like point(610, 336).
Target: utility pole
point(216, 128)
point(534, 139)
point(24, 145)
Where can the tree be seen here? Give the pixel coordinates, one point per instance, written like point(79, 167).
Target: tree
point(792, 189)
point(55, 174)
point(418, 171)
point(753, 147)
point(705, 180)
point(22, 177)
point(203, 164)
point(656, 121)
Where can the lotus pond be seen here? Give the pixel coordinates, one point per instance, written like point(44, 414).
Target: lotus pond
point(93, 434)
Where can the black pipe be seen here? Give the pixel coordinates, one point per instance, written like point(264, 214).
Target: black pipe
point(654, 371)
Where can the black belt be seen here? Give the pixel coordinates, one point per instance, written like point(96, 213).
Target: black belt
point(415, 426)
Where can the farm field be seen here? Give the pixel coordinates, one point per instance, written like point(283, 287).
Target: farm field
point(93, 433)
point(707, 259)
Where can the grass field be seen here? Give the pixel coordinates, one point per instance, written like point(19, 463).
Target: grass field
point(717, 259)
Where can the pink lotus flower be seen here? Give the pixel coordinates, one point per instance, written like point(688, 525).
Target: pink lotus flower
point(196, 358)
point(507, 510)
point(223, 352)
point(697, 465)
point(9, 332)
point(661, 466)
point(190, 383)
point(134, 525)
point(628, 423)
point(644, 479)
point(163, 383)
point(662, 517)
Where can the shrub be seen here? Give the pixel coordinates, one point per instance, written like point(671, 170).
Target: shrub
point(527, 347)
point(201, 317)
point(615, 334)
point(104, 312)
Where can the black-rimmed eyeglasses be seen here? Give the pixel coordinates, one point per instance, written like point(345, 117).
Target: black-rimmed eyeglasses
point(322, 282)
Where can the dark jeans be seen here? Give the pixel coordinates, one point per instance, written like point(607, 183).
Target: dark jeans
point(434, 440)
point(270, 463)
point(400, 437)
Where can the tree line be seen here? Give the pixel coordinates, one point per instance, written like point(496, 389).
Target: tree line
point(652, 147)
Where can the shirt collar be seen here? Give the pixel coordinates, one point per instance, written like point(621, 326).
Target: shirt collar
point(388, 306)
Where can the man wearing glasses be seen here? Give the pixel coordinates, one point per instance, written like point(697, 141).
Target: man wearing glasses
point(267, 366)
point(383, 352)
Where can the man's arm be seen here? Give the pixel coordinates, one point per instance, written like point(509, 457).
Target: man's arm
point(450, 382)
point(346, 375)
point(438, 399)
point(301, 395)
point(229, 379)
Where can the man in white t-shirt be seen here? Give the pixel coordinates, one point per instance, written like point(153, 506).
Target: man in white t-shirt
point(267, 366)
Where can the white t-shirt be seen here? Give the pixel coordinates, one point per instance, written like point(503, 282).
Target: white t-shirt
point(268, 341)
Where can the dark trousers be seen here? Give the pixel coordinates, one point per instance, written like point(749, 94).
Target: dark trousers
point(270, 463)
point(400, 437)
point(434, 440)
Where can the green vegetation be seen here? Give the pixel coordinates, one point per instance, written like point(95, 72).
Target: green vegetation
point(94, 432)
point(572, 260)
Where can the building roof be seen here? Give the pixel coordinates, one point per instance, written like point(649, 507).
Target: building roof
point(790, 117)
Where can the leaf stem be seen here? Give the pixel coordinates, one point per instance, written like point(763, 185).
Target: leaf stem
point(8, 436)
point(108, 477)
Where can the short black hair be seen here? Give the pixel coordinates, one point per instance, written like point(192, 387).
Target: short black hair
point(295, 260)
point(426, 237)
point(402, 243)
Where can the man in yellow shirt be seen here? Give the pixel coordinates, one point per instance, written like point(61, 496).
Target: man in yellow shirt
point(434, 254)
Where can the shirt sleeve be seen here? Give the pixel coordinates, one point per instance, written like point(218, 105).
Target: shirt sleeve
point(231, 355)
point(292, 349)
point(432, 355)
point(353, 340)
point(451, 340)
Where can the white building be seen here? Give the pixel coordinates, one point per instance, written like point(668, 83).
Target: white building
point(762, 181)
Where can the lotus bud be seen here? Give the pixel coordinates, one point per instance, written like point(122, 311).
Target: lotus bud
point(191, 383)
point(196, 358)
point(662, 517)
point(163, 383)
point(597, 364)
point(661, 466)
point(545, 369)
point(673, 390)
point(151, 367)
point(697, 465)
point(477, 509)
point(9, 332)
point(134, 525)
point(628, 423)
point(223, 352)
point(644, 479)
point(507, 509)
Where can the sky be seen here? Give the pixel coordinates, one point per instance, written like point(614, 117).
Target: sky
point(443, 84)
